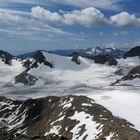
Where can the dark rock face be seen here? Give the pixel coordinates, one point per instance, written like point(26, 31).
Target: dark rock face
point(132, 52)
point(104, 59)
point(6, 57)
point(38, 117)
point(133, 73)
point(26, 79)
point(75, 57)
point(37, 58)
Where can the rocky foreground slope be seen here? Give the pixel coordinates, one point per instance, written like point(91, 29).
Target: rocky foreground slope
point(69, 117)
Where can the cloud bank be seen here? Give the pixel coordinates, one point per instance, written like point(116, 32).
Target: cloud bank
point(125, 19)
point(40, 21)
point(87, 17)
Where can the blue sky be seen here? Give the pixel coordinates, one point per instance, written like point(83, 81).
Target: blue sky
point(27, 25)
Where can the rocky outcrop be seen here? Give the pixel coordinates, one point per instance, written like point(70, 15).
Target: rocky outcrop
point(75, 58)
point(26, 79)
point(70, 117)
point(35, 60)
point(132, 52)
point(104, 59)
point(132, 74)
point(99, 59)
point(6, 57)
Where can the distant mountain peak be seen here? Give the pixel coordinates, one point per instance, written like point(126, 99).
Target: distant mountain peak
point(36, 59)
point(94, 51)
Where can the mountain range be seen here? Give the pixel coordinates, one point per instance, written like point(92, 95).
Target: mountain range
point(93, 51)
point(112, 51)
point(70, 94)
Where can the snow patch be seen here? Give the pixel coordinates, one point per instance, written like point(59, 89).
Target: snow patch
point(86, 121)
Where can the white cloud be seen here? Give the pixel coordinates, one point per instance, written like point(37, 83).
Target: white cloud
point(125, 19)
point(86, 17)
point(46, 15)
point(17, 23)
point(41, 22)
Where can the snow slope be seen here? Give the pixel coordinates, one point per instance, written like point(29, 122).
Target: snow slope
point(7, 73)
point(124, 104)
point(91, 126)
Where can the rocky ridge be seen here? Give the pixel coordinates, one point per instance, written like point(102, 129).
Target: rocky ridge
point(72, 117)
point(132, 74)
point(6, 57)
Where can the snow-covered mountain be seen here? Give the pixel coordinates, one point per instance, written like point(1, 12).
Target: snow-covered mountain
point(94, 51)
point(83, 99)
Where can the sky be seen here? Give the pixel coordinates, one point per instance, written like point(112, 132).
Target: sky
point(28, 25)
